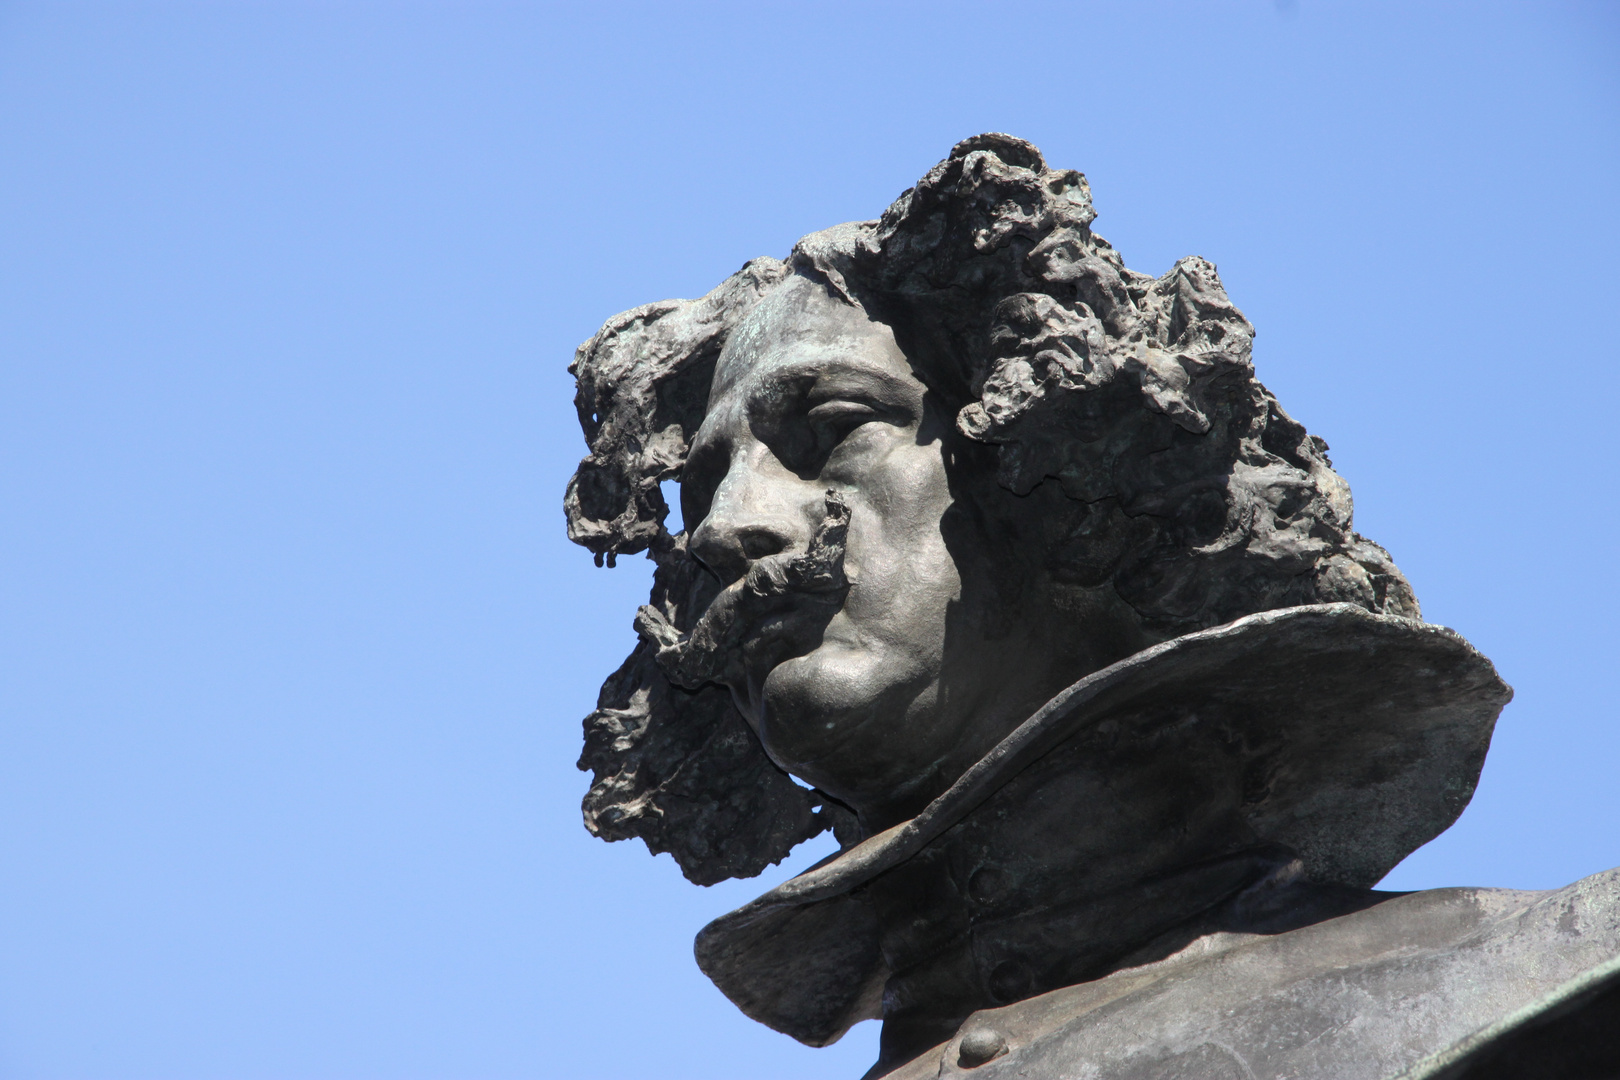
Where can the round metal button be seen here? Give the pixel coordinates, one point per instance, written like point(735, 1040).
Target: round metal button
point(979, 1046)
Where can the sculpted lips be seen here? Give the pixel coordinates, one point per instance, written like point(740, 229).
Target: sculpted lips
point(769, 601)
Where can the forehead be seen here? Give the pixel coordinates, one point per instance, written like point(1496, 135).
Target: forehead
point(800, 329)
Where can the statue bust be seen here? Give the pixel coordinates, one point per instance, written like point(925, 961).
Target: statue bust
point(1001, 564)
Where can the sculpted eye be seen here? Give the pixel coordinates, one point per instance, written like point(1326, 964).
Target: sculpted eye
point(803, 441)
point(840, 417)
point(829, 410)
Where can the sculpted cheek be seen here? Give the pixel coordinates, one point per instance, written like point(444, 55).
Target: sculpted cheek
point(904, 574)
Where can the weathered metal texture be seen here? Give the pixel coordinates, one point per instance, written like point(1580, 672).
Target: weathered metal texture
point(1447, 984)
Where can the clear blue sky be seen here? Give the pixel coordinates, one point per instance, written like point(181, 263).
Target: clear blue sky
point(294, 650)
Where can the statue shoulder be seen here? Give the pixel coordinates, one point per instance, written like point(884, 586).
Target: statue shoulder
point(1571, 1030)
point(1444, 984)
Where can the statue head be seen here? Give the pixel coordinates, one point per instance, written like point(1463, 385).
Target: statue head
point(933, 469)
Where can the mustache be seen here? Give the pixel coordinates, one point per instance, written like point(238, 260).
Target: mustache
point(774, 584)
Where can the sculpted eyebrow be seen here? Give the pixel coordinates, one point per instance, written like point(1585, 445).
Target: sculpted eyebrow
point(820, 381)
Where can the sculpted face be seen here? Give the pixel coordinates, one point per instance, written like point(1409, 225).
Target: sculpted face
point(944, 640)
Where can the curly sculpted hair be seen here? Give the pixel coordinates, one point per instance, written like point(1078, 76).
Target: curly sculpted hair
point(1188, 489)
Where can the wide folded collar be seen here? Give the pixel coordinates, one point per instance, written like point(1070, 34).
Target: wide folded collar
point(1353, 739)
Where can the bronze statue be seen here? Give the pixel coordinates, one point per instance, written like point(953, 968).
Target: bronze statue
point(1059, 620)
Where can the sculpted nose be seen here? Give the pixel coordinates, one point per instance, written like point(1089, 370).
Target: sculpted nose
point(727, 548)
point(747, 521)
